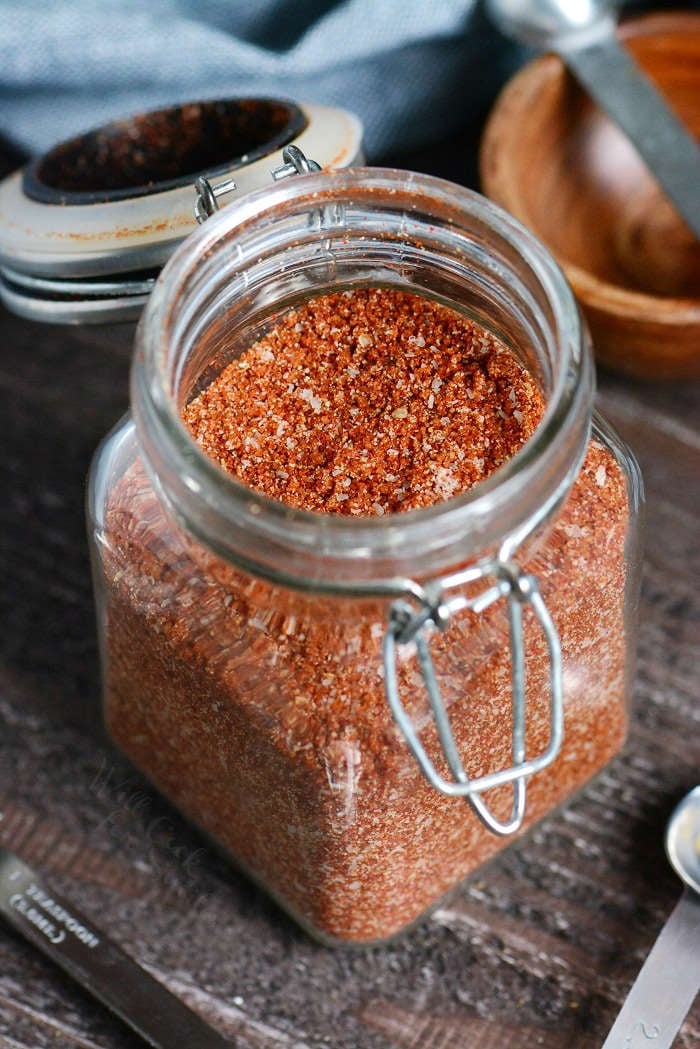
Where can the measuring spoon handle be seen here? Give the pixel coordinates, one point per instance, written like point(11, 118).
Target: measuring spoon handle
point(666, 985)
point(625, 93)
point(58, 929)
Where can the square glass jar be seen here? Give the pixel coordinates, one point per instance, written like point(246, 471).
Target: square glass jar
point(360, 711)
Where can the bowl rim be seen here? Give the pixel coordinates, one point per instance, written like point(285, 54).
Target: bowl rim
point(515, 98)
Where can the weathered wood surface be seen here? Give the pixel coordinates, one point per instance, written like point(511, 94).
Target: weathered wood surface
point(539, 949)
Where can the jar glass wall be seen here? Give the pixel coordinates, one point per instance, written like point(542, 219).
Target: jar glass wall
point(244, 642)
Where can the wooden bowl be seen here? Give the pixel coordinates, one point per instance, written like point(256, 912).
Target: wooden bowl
point(552, 159)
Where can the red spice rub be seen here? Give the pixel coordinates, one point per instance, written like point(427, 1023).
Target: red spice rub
point(367, 402)
point(261, 712)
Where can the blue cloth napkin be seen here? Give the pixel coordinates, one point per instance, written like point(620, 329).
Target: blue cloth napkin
point(413, 70)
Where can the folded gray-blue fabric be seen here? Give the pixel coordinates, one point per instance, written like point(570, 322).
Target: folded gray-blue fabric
point(411, 69)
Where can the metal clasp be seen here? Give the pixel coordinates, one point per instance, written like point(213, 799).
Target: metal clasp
point(295, 163)
point(207, 196)
point(408, 623)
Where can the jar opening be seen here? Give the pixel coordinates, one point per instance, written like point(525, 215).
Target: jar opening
point(162, 149)
point(363, 227)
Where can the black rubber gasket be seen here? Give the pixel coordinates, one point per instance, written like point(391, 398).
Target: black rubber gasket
point(161, 150)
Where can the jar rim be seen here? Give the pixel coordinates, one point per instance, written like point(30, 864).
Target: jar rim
point(306, 548)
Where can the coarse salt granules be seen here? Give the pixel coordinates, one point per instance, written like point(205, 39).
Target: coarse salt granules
point(367, 402)
point(260, 711)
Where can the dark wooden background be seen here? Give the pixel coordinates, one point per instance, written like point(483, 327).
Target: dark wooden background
point(538, 949)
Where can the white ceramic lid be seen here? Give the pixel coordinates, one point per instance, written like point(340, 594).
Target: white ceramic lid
point(76, 257)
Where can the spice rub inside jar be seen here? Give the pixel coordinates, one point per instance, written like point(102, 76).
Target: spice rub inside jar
point(367, 402)
point(261, 710)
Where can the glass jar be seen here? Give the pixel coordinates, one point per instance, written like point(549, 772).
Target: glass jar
point(360, 711)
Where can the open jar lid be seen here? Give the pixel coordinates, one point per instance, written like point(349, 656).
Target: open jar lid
point(86, 228)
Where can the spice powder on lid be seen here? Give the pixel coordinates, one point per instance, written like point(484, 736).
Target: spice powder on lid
point(367, 402)
point(261, 712)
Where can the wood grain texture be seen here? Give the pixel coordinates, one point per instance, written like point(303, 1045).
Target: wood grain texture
point(552, 159)
point(539, 948)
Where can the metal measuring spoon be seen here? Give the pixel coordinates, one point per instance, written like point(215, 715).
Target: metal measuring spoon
point(668, 981)
point(582, 33)
point(60, 931)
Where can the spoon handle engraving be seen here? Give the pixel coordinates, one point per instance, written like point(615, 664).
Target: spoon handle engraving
point(626, 94)
point(72, 941)
point(666, 985)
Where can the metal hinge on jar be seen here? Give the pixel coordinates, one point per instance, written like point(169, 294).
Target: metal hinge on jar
point(433, 608)
point(207, 195)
